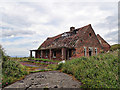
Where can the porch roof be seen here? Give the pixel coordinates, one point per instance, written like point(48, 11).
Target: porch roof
point(51, 48)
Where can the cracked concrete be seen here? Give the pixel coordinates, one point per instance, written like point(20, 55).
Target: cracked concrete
point(50, 79)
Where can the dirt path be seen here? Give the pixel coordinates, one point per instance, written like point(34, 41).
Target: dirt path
point(50, 79)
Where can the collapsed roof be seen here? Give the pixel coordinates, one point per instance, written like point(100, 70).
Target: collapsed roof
point(66, 39)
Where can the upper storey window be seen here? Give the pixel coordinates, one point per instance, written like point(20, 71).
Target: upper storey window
point(100, 41)
point(90, 34)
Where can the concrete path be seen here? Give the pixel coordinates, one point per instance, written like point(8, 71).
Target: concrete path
point(50, 79)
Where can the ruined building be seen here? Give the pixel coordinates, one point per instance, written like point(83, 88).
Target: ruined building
point(72, 44)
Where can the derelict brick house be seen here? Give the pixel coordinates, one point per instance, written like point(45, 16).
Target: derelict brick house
point(72, 44)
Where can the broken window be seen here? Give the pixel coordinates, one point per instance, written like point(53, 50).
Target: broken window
point(46, 54)
point(90, 51)
point(84, 51)
point(90, 34)
point(100, 41)
point(95, 51)
point(81, 40)
point(40, 53)
point(54, 54)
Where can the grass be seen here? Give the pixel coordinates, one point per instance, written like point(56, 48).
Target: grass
point(115, 47)
point(52, 66)
point(45, 60)
point(95, 72)
point(42, 63)
point(43, 70)
point(11, 72)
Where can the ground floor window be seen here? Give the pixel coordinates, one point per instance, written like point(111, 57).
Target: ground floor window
point(46, 54)
point(90, 51)
point(84, 51)
point(95, 51)
point(54, 54)
point(40, 53)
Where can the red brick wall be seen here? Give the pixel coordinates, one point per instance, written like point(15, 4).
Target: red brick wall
point(58, 55)
point(105, 45)
point(87, 41)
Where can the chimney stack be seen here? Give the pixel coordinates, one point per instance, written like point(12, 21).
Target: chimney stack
point(72, 28)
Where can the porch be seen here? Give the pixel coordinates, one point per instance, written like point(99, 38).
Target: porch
point(54, 53)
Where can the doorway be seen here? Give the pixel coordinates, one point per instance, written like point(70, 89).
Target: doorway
point(90, 52)
point(68, 54)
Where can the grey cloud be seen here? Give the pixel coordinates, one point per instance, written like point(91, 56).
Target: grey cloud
point(37, 6)
point(107, 6)
point(113, 41)
point(9, 33)
point(112, 34)
point(15, 20)
point(6, 28)
point(110, 22)
point(55, 21)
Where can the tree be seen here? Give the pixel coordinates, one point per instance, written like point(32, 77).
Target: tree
point(2, 54)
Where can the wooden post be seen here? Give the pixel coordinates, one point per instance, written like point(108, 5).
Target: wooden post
point(68, 54)
point(63, 53)
point(30, 54)
point(50, 54)
point(41, 53)
point(35, 54)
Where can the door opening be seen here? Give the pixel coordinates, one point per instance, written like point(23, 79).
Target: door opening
point(90, 52)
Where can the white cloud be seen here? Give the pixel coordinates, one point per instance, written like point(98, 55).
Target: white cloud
point(33, 22)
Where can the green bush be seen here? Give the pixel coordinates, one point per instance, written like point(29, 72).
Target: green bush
point(59, 66)
point(52, 66)
point(115, 47)
point(94, 72)
point(11, 69)
point(46, 60)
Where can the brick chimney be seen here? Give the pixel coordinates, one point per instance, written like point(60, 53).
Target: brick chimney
point(72, 28)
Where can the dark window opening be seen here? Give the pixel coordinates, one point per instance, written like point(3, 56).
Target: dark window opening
point(84, 51)
point(81, 40)
point(95, 51)
point(40, 54)
point(46, 54)
point(54, 54)
point(89, 34)
point(90, 52)
point(70, 53)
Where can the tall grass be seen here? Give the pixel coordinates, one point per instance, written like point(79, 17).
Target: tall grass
point(11, 69)
point(95, 72)
point(46, 60)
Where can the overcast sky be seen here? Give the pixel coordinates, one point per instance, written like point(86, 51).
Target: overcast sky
point(25, 25)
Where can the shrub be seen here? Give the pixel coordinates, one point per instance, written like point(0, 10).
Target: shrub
point(115, 47)
point(52, 66)
point(94, 72)
point(11, 69)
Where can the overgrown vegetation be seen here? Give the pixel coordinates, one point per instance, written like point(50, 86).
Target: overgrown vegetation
point(11, 70)
point(115, 47)
point(43, 70)
point(94, 72)
point(45, 60)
